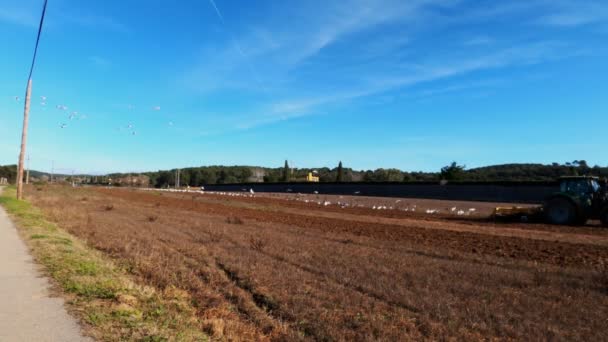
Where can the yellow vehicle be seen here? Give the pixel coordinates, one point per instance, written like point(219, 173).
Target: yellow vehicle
point(311, 178)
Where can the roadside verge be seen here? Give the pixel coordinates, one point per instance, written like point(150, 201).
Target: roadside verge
point(105, 299)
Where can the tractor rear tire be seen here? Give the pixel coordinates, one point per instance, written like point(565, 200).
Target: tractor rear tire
point(561, 211)
point(604, 217)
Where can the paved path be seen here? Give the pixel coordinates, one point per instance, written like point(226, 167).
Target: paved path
point(27, 313)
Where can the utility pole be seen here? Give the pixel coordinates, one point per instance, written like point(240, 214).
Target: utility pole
point(27, 174)
point(26, 110)
point(26, 114)
point(177, 174)
point(52, 170)
point(72, 178)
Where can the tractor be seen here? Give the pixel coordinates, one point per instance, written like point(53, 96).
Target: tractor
point(580, 198)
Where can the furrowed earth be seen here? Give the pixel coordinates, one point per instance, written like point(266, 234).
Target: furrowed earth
point(294, 267)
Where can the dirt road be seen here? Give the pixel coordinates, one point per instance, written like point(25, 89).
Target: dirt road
point(27, 313)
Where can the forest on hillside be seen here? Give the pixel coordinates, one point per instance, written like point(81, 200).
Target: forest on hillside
point(199, 176)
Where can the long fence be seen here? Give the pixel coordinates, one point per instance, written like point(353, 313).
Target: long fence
point(509, 192)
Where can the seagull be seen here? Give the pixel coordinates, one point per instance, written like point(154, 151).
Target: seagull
point(130, 126)
point(170, 123)
point(16, 98)
point(63, 125)
point(134, 133)
point(73, 115)
point(156, 107)
point(43, 98)
point(43, 103)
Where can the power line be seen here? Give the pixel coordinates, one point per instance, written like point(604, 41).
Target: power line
point(38, 38)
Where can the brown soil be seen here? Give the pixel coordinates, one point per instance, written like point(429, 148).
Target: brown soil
point(273, 267)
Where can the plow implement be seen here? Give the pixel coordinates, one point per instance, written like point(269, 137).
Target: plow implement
point(523, 214)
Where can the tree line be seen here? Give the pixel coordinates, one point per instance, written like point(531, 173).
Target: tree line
point(200, 176)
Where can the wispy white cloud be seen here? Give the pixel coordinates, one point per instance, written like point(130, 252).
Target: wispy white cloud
point(99, 61)
point(336, 53)
point(575, 13)
point(479, 41)
point(18, 15)
point(94, 21)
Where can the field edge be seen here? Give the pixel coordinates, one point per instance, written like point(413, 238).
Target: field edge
point(108, 303)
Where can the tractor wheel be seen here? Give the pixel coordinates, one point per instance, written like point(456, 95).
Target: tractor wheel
point(561, 211)
point(604, 217)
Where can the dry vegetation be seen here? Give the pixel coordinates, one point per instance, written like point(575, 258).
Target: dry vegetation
point(107, 301)
point(267, 269)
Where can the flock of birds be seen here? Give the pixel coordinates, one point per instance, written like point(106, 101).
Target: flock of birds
point(342, 203)
point(76, 116)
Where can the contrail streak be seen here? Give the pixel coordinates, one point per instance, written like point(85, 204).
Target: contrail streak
point(237, 45)
point(217, 10)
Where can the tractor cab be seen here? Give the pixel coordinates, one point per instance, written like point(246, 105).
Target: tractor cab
point(579, 199)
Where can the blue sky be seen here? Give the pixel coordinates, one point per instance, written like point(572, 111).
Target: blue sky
point(405, 84)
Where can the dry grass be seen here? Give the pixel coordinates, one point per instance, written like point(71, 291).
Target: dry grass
point(107, 301)
point(281, 275)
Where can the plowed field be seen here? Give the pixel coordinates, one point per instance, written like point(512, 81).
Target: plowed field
point(286, 267)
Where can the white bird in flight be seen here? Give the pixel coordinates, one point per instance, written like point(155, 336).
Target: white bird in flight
point(16, 98)
point(64, 125)
point(43, 98)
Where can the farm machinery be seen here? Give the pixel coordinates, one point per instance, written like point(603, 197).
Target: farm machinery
point(579, 199)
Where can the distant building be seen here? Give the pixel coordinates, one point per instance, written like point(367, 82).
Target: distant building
point(257, 175)
point(139, 180)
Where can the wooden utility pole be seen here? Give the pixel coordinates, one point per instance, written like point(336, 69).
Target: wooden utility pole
point(27, 173)
point(26, 111)
point(26, 114)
